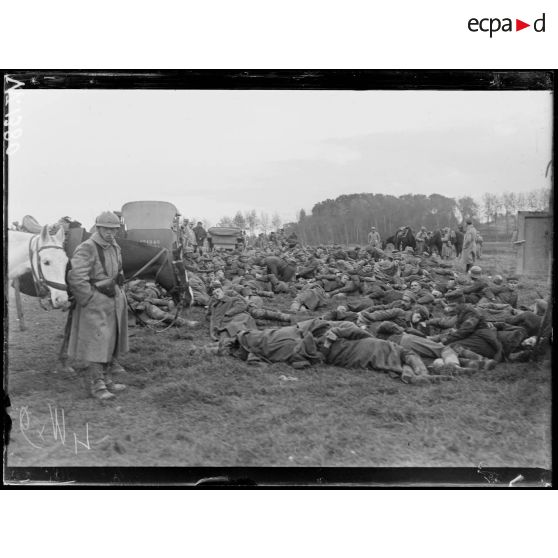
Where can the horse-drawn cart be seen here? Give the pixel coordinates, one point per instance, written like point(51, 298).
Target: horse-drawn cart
point(152, 222)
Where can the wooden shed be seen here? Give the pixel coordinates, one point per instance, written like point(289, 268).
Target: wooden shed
point(534, 243)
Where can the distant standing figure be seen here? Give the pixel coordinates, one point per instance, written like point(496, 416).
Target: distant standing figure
point(189, 236)
point(446, 245)
point(421, 240)
point(469, 253)
point(374, 239)
point(479, 240)
point(201, 235)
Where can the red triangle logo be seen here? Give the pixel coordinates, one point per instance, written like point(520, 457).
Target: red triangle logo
point(519, 25)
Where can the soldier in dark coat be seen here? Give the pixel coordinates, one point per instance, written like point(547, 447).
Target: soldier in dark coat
point(471, 330)
point(283, 269)
point(200, 234)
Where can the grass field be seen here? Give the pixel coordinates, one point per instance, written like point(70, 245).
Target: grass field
point(184, 408)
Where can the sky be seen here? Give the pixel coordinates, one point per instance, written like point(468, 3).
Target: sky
point(212, 153)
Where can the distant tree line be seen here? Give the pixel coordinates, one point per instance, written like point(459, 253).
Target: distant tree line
point(347, 219)
point(252, 222)
point(507, 204)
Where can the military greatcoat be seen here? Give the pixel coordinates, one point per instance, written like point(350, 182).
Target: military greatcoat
point(99, 330)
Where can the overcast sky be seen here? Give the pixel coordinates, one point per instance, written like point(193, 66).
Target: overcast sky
point(212, 153)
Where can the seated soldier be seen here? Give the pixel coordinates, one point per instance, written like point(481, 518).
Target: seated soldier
point(508, 293)
point(309, 268)
point(228, 314)
point(349, 285)
point(199, 290)
point(283, 269)
point(478, 288)
point(471, 330)
point(528, 320)
point(311, 297)
point(365, 273)
point(422, 294)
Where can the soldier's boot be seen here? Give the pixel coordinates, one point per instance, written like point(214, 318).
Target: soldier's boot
point(266, 294)
point(98, 388)
point(416, 364)
point(65, 367)
point(275, 315)
point(440, 368)
point(479, 364)
point(466, 353)
point(449, 356)
point(520, 356)
point(408, 376)
point(113, 369)
point(225, 346)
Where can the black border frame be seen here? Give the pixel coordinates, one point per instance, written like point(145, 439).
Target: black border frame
point(269, 477)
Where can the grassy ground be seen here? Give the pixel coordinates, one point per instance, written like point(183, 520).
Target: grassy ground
point(185, 408)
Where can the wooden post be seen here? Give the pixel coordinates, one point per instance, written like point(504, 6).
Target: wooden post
point(19, 307)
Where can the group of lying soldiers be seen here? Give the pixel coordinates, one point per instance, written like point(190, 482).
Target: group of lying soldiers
point(413, 316)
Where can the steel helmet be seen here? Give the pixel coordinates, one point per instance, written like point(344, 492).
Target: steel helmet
point(107, 219)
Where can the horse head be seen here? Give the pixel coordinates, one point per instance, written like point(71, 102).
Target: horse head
point(48, 264)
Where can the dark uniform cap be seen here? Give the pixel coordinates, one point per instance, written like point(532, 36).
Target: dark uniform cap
point(107, 219)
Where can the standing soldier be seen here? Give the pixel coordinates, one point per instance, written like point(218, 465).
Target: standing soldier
point(189, 236)
point(421, 240)
point(479, 241)
point(99, 322)
point(201, 235)
point(446, 244)
point(374, 239)
point(469, 251)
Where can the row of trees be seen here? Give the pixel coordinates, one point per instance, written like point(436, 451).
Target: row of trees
point(252, 221)
point(347, 219)
point(508, 204)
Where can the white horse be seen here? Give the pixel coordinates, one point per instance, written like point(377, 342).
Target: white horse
point(44, 256)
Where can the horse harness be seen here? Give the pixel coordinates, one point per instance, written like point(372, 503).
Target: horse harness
point(40, 281)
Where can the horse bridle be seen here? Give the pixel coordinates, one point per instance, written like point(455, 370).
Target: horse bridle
point(41, 282)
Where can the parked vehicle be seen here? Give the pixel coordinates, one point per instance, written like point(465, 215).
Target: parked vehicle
point(227, 238)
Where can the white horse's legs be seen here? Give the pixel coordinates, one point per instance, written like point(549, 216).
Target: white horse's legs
point(19, 307)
